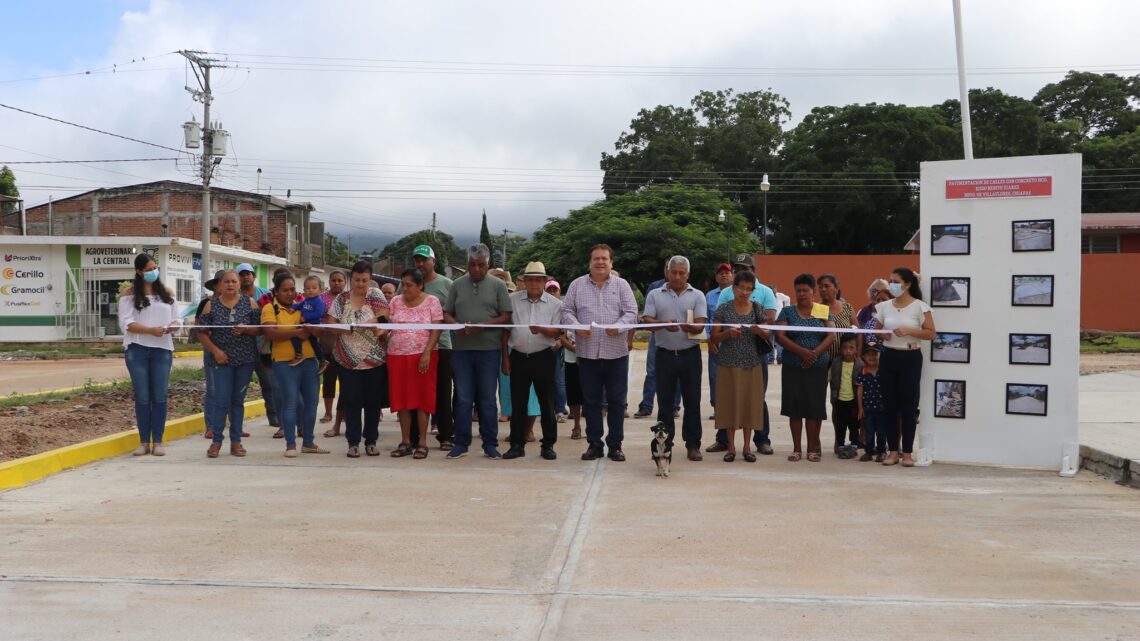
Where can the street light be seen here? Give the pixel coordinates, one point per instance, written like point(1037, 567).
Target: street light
point(728, 239)
point(764, 187)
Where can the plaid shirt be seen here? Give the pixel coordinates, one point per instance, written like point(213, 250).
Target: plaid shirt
point(610, 304)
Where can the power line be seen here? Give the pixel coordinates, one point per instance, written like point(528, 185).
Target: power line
point(98, 131)
point(79, 162)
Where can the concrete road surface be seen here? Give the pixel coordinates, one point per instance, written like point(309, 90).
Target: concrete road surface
point(325, 547)
point(36, 376)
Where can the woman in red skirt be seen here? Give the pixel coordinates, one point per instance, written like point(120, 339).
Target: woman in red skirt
point(412, 360)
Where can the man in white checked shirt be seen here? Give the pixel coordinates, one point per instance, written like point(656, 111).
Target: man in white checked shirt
point(604, 298)
point(529, 359)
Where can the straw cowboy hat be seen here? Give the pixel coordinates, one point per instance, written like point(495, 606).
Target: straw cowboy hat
point(535, 268)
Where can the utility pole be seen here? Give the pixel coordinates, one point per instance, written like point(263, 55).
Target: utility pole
point(213, 142)
point(505, 232)
point(433, 226)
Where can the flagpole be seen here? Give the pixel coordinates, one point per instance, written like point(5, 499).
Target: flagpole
point(964, 95)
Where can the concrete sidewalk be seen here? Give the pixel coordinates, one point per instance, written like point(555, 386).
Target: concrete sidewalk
point(39, 376)
point(1110, 425)
point(324, 547)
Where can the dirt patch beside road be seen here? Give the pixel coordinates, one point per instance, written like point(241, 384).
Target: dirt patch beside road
point(1100, 363)
point(57, 422)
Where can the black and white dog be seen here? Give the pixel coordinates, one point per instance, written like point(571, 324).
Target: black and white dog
point(662, 453)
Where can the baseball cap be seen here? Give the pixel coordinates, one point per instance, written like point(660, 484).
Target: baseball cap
point(245, 267)
point(871, 346)
point(552, 283)
point(723, 267)
point(744, 259)
point(424, 250)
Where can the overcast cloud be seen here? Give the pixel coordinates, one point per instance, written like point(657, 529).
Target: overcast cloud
point(427, 130)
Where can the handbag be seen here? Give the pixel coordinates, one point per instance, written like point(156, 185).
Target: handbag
point(762, 346)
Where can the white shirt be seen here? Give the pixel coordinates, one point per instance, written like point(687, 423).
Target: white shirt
point(157, 314)
point(891, 318)
point(546, 310)
point(782, 301)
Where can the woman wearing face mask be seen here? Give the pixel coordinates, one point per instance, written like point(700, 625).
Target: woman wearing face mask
point(147, 315)
point(908, 321)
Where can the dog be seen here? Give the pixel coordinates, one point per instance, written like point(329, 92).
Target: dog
point(659, 448)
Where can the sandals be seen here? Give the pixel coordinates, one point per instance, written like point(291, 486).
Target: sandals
point(576, 434)
point(814, 457)
point(750, 457)
point(280, 433)
point(795, 457)
point(372, 450)
point(353, 451)
point(420, 453)
point(403, 449)
point(327, 418)
point(730, 457)
point(332, 433)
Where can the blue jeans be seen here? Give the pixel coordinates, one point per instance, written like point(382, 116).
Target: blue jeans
point(299, 390)
point(649, 387)
point(476, 375)
point(875, 426)
point(208, 401)
point(759, 437)
point(560, 383)
point(149, 368)
point(225, 390)
point(611, 375)
point(265, 380)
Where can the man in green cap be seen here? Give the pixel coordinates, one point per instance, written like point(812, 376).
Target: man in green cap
point(438, 285)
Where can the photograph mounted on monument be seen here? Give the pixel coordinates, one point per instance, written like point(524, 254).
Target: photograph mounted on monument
point(949, 240)
point(950, 347)
point(1030, 349)
point(1032, 291)
point(1030, 399)
point(1033, 235)
point(949, 291)
point(950, 398)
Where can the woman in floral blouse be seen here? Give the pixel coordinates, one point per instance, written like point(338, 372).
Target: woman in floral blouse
point(361, 355)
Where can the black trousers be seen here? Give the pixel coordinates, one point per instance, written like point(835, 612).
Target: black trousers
point(442, 419)
point(533, 369)
point(844, 415)
point(684, 367)
point(899, 372)
point(360, 394)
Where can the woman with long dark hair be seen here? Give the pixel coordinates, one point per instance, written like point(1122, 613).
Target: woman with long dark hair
point(147, 315)
point(908, 321)
point(298, 384)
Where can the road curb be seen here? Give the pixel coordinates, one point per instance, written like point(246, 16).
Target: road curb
point(25, 470)
point(1121, 469)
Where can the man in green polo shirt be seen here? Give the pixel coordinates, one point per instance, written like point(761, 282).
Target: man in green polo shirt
point(475, 299)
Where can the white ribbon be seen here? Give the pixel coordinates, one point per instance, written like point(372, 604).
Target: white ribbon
point(578, 328)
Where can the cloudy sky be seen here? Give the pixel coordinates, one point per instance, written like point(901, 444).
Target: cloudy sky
point(381, 113)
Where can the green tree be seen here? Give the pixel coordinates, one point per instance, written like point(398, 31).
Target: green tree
point(645, 228)
point(850, 179)
point(1101, 104)
point(725, 140)
point(1109, 163)
point(8, 188)
point(485, 238)
point(336, 252)
point(1003, 125)
point(446, 251)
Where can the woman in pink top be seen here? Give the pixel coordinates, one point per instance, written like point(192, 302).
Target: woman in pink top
point(412, 361)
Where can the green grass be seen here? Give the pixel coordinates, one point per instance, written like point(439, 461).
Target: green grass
point(177, 375)
point(49, 351)
point(1110, 344)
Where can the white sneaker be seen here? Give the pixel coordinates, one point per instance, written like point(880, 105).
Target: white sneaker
point(141, 450)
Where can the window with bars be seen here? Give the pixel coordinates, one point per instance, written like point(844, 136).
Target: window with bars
point(1100, 244)
point(184, 290)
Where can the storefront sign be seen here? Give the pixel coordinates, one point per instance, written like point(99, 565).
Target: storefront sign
point(113, 256)
point(27, 285)
point(976, 188)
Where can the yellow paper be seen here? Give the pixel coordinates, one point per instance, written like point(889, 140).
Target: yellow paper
point(820, 311)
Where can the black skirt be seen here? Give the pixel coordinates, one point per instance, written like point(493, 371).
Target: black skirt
point(804, 393)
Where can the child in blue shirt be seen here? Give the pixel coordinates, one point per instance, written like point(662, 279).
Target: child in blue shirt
point(869, 399)
point(313, 311)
